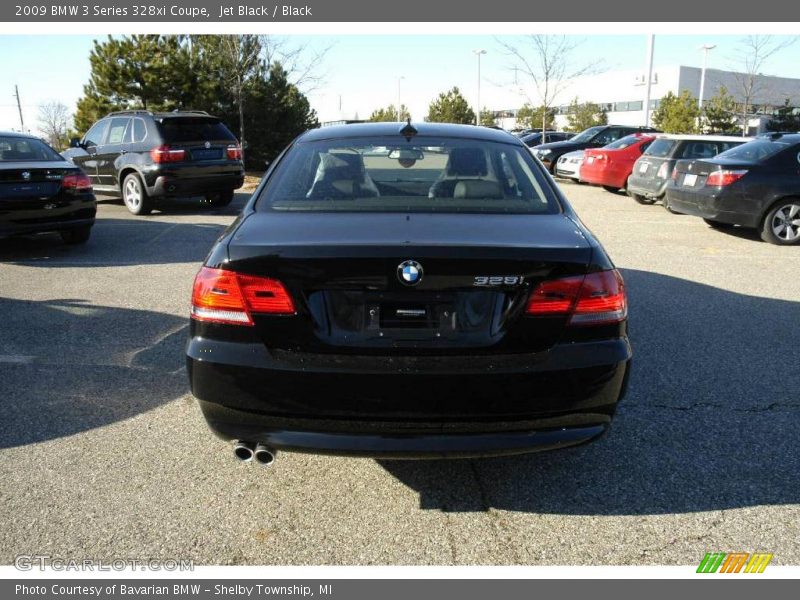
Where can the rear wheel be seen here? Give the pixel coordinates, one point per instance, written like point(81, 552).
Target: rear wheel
point(782, 224)
point(135, 196)
point(611, 188)
point(642, 199)
point(79, 235)
point(718, 225)
point(220, 198)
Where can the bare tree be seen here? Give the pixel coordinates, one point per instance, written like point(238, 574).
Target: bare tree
point(241, 57)
point(545, 59)
point(302, 62)
point(54, 120)
point(752, 55)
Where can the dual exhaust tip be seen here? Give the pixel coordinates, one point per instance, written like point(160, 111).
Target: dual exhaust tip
point(258, 453)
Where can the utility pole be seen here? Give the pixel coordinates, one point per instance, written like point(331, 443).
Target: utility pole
point(651, 40)
point(19, 107)
point(478, 53)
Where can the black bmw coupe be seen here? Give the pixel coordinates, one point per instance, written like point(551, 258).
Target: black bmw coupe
point(40, 191)
point(407, 291)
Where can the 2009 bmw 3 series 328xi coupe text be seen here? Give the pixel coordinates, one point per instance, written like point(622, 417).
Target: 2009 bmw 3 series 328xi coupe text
point(407, 291)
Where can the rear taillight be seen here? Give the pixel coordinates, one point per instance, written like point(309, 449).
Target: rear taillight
point(234, 152)
point(594, 299)
point(76, 183)
point(674, 175)
point(165, 154)
point(663, 173)
point(223, 296)
point(723, 178)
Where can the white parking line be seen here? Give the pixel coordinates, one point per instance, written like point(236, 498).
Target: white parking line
point(19, 359)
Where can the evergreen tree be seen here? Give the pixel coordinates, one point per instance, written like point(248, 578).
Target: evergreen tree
point(787, 118)
point(531, 118)
point(450, 107)
point(677, 114)
point(720, 113)
point(582, 115)
point(389, 114)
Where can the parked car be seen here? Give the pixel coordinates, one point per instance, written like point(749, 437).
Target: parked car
point(569, 165)
point(754, 185)
point(41, 192)
point(651, 172)
point(144, 156)
point(535, 138)
point(416, 305)
point(611, 165)
point(594, 137)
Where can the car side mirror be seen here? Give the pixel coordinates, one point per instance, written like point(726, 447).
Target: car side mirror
point(75, 142)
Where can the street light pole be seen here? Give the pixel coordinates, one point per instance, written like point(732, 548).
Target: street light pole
point(399, 114)
point(651, 41)
point(478, 53)
point(705, 48)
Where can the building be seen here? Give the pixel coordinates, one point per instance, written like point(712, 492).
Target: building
point(622, 93)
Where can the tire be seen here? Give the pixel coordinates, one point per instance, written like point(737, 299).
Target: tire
point(718, 225)
point(611, 188)
point(221, 199)
point(641, 199)
point(781, 225)
point(134, 195)
point(667, 207)
point(78, 235)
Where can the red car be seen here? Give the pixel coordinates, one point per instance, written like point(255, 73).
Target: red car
point(610, 165)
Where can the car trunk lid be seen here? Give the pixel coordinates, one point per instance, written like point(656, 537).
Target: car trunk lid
point(344, 273)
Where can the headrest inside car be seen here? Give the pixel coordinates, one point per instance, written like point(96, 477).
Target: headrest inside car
point(477, 188)
point(467, 162)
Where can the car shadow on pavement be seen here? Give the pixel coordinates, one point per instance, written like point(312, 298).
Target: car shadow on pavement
point(188, 206)
point(711, 420)
point(117, 242)
point(67, 366)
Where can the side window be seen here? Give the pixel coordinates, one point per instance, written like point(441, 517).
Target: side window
point(96, 135)
point(699, 150)
point(139, 130)
point(608, 136)
point(116, 132)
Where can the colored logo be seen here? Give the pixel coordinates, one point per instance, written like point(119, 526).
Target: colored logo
point(734, 562)
point(409, 272)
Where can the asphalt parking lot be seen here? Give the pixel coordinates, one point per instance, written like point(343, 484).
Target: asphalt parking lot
point(103, 452)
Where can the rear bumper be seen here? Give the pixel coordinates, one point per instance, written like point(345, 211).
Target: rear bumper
point(63, 215)
point(649, 188)
point(412, 407)
point(708, 204)
point(172, 185)
point(613, 176)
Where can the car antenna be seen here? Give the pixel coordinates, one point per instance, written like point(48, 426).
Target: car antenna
point(408, 131)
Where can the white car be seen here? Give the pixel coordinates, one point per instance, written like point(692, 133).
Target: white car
point(569, 165)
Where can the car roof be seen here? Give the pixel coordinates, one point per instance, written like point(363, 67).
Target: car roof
point(703, 138)
point(18, 134)
point(450, 130)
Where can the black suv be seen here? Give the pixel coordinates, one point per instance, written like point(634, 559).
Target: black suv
point(143, 156)
point(594, 137)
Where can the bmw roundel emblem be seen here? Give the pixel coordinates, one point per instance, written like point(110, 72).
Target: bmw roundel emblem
point(409, 272)
point(207, 145)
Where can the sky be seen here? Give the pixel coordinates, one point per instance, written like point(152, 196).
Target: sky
point(361, 73)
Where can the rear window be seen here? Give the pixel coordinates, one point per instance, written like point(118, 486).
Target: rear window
point(660, 148)
point(17, 149)
point(756, 151)
point(421, 175)
point(699, 149)
point(176, 130)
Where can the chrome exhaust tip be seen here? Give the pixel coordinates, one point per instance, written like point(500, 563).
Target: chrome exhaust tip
point(264, 455)
point(243, 451)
